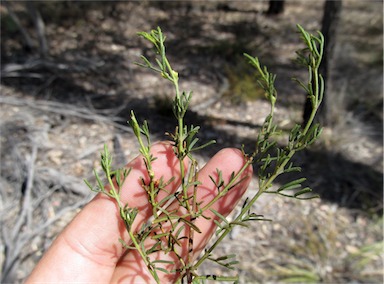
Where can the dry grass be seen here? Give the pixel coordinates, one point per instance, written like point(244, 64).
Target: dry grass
point(58, 113)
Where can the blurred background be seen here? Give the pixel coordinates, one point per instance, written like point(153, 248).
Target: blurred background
point(68, 83)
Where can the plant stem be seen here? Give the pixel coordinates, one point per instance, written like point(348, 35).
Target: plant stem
point(144, 257)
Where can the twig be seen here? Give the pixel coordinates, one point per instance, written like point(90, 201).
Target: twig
point(67, 110)
point(24, 69)
point(25, 215)
point(13, 246)
point(68, 182)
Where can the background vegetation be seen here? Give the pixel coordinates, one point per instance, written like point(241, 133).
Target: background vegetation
point(69, 85)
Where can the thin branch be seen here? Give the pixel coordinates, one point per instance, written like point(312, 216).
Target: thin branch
point(66, 110)
point(25, 214)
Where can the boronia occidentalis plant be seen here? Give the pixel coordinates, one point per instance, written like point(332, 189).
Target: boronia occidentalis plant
point(270, 160)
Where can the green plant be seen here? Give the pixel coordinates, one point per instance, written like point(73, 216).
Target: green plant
point(271, 160)
point(242, 83)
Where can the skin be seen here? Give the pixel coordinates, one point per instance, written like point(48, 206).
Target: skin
point(88, 249)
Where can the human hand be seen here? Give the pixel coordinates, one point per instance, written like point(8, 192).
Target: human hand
point(88, 250)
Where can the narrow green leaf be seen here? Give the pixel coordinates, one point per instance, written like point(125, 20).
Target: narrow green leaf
point(165, 199)
point(147, 64)
point(239, 224)
point(134, 124)
point(291, 168)
point(154, 248)
point(190, 224)
point(204, 145)
point(222, 218)
point(291, 184)
point(195, 183)
point(225, 257)
point(218, 224)
point(90, 186)
point(163, 261)
point(302, 191)
point(232, 263)
point(158, 236)
point(291, 187)
point(179, 231)
point(98, 180)
point(162, 269)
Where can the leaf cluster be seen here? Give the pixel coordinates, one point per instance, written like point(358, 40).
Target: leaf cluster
point(166, 226)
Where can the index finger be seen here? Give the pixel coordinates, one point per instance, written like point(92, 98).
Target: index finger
point(89, 248)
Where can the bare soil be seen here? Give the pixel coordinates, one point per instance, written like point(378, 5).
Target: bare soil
point(58, 110)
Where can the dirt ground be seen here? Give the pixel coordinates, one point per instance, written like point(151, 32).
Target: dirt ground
point(59, 108)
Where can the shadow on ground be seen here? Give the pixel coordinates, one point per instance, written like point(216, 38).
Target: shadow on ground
point(335, 178)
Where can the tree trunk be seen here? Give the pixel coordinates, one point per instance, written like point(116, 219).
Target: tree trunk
point(331, 17)
point(40, 29)
point(275, 7)
point(27, 40)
